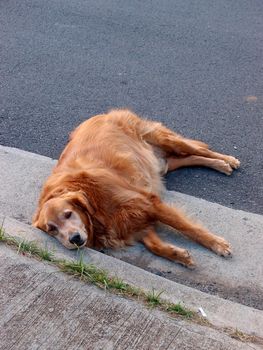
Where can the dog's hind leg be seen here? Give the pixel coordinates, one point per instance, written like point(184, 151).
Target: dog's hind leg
point(152, 241)
point(172, 143)
point(217, 164)
point(173, 217)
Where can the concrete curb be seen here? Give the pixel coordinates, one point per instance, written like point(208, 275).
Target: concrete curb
point(239, 279)
point(220, 312)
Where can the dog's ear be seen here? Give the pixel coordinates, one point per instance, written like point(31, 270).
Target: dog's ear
point(81, 200)
point(45, 196)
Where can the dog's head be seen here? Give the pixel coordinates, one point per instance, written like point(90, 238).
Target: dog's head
point(67, 217)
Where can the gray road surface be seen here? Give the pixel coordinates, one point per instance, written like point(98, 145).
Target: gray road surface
point(192, 64)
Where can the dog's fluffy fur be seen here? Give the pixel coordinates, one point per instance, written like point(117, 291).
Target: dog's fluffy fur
point(105, 189)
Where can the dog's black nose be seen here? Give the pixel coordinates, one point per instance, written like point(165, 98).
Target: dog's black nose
point(76, 239)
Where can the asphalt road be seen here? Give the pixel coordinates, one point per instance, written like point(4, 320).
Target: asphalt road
point(195, 65)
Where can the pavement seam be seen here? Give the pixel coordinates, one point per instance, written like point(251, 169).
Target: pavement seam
point(175, 336)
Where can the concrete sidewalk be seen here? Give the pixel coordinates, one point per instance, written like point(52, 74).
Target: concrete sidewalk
point(239, 279)
point(42, 308)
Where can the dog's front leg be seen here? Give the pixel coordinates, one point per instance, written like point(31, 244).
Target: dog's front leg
point(173, 217)
point(152, 241)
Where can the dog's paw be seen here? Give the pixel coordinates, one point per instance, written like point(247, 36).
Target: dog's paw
point(233, 162)
point(223, 167)
point(227, 169)
point(183, 257)
point(222, 247)
point(190, 264)
point(188, 261)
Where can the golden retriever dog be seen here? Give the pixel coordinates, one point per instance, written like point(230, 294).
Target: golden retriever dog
point(105, 190)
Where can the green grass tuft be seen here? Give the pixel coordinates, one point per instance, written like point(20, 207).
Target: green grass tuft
point(180, 310)
point(119, 284)
point(28, 247)
point(85, 271)
point(32, 248)
point(7, 239)
point(153, 298)
point(46, 255)
point(2, 235)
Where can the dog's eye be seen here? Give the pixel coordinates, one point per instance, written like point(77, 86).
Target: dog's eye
point(68, 214)
point(51, 228)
